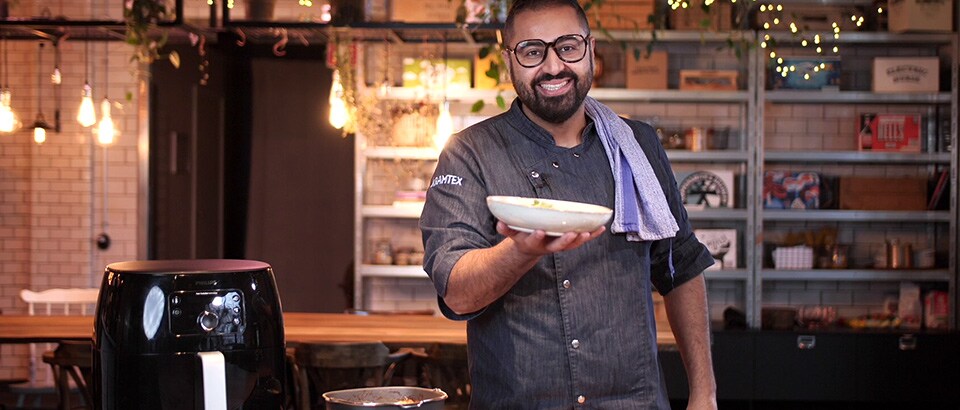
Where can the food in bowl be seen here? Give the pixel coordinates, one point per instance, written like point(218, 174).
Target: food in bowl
point(553, 216)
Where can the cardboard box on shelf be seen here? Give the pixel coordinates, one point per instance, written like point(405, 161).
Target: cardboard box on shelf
point(889, 132)
point(883, 193)
point(649, 72)
point(621, 15)
point(718, 17)
point(708, 80)
point(920, 15)
point(424, 11)
point(906, 74)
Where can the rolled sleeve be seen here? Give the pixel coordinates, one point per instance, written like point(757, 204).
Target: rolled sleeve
point(455, 218)
point(676, 260)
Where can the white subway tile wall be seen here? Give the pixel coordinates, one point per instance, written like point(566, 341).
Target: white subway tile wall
point(53, 201)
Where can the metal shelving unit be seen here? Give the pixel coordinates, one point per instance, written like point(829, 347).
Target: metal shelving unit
point(750, 218)
point(924, 222)
point(741, 217)
point(859, 275)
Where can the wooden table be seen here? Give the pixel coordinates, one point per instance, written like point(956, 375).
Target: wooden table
point(298, 327)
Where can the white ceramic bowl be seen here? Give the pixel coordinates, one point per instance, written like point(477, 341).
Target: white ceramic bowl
point(554, 217)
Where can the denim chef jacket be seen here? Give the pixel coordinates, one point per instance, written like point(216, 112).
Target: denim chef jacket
point(577, 330)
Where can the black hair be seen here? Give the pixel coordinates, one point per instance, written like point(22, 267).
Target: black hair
point(520, 6)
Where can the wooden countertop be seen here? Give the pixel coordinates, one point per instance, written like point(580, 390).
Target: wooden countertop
point(298, 327)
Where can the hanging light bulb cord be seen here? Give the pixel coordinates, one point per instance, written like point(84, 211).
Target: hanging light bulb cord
point(40, 80)
point(5, 71)
point(56, 86)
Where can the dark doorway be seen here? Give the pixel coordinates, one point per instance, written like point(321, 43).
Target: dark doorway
point(300, 215)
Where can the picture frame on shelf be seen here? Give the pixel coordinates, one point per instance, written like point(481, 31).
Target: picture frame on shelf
point(722, 244)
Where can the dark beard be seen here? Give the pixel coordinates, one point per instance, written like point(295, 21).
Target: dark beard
point(558, 109)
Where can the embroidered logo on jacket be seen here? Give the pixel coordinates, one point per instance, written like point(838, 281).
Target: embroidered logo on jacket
point(446, 180)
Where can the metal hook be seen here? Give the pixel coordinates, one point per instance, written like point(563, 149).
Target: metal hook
point(278, 48)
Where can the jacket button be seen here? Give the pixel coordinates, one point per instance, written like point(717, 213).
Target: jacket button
point(535, 174)
point(575, 343)
point(576, 155)
point(555, 164)
point(581, 399)
point(566, 284)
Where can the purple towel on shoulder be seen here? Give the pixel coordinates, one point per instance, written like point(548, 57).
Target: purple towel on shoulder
point(641, 210)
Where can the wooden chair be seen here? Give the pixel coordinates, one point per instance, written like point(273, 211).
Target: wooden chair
point(326, 367)
point(72, 365)
point(73, 301)
point(447, 368)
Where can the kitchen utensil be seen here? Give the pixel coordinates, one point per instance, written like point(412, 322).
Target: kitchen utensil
point(555, 217)
point(400, 397)
point(188, 334)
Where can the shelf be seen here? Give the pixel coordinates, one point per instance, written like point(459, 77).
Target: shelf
point(717, 214)
point(853, 97)
point(411, 211)
point(854, 215)
point(623, 94)
point(392, 271)
point(867, 37)
point(726, 274)
point(413, 153)
point(603, 94)
point(857, 157)
point(918, 275)
point(677, 155)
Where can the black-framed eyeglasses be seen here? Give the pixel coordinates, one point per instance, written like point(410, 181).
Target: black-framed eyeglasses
point(571, 48)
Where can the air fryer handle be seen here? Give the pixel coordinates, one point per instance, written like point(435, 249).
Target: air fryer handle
point(214, 380)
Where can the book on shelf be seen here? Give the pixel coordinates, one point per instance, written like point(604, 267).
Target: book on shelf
point(938, 190)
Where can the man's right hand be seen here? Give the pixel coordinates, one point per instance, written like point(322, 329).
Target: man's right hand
point(482, 276)
point(537, 243)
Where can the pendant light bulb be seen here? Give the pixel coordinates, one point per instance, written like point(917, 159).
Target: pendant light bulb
point(86, 116)
point(39, 135)
point(444, 125)
point(56, 77)
point(339, 116)
point(106, 133)
point(8, 119)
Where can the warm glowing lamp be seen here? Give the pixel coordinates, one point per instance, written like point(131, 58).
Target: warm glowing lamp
point(444, 125)
point(339, 116)
point(8, 119)
point(106, 133)
point(86, 116)
point(40, 128)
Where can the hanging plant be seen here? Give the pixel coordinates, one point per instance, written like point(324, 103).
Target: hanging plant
point(142, 17)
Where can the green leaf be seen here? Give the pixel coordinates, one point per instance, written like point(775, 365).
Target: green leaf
point(477, 106)
point(501, 102)
point(493, 72)
point(484, 51)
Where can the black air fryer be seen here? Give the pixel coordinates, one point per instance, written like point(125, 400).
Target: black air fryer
point(188, 334)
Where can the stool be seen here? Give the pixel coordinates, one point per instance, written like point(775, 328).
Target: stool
point(336, 366)
point(72, 362)
point(447, 368)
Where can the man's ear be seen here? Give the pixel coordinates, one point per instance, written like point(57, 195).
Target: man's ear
point(506, 61)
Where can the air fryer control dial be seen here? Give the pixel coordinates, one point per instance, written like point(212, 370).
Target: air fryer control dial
point(208, 321)
point(207, 312)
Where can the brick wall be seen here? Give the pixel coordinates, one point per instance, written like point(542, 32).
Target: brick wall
point(53, 198)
